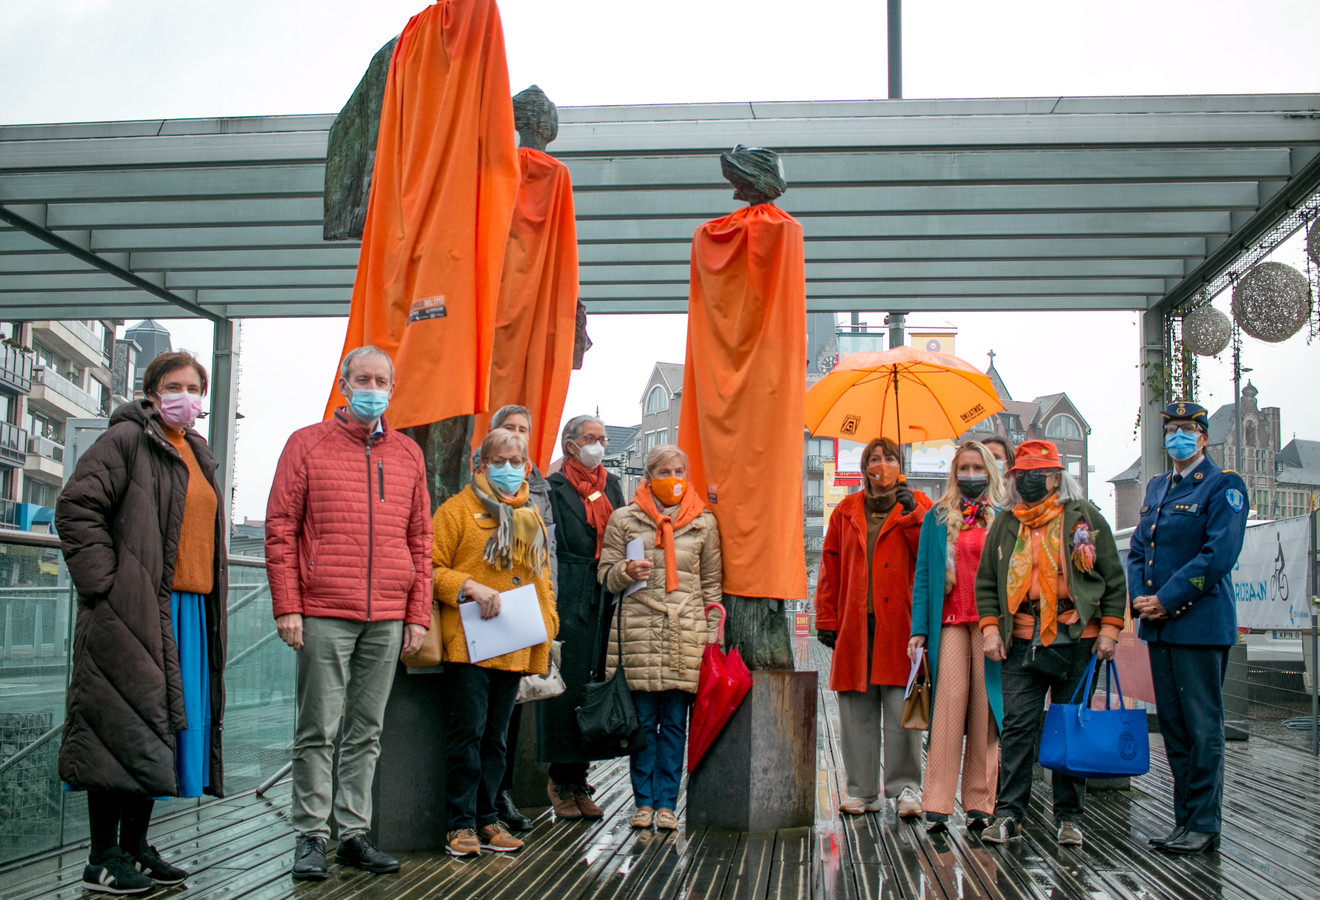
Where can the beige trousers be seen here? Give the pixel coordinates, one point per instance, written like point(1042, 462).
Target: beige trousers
point(960, 708)
point(877, 749)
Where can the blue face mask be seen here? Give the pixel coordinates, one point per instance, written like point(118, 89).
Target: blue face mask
point(507, 478)
point(369, 405)
point(1181, 446)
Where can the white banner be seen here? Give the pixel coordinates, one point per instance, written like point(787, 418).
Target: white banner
point(1269, 580)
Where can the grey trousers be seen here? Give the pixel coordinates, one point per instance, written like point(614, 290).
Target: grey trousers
point(347, 667)
point(874, 740)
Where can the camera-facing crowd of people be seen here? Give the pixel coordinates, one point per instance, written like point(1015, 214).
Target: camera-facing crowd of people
point(1008, 583)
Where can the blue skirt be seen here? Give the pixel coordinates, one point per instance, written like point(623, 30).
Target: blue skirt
point(192, 753)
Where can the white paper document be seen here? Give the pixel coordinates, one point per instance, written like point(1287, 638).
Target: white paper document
point(634, 550)
point(518, 625)
point(912, 675)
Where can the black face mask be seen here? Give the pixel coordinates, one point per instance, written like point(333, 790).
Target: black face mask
point(972, 486)
point(1031, 486)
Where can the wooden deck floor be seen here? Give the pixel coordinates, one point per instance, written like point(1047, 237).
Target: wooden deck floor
point(242, 847)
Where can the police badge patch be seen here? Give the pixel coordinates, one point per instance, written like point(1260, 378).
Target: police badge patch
point(1234, 498)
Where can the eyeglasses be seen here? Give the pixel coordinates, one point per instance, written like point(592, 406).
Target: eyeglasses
point(589, 439)
point(1184, 427)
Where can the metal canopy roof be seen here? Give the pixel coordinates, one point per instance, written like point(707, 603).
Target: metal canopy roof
point(1057, 203)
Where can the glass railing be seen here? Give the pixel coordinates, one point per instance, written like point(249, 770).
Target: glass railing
point(16, 368)
point(36, 606)
point(58, 384)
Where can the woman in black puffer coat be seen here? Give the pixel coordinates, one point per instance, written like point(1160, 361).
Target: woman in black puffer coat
point(142, 531)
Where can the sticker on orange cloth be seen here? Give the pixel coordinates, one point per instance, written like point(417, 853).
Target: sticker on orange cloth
point(744, 386)
point(536, 317)
point(442, 194)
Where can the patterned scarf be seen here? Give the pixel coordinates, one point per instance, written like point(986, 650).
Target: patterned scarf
point(590, 486)
point(519, 538)
point(689, 508)
point(1039, 546)
point(973, 511)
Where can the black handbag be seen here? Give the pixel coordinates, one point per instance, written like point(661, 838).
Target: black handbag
point(606, 717)
point(1056, 660)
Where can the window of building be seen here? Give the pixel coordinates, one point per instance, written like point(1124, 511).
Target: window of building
point(657, 400)
point(39, 492)
point(1249, 433)
point(44, 426)
point(650, 441)
point(662, 436)
point(1074, 466)
point(1064, 426)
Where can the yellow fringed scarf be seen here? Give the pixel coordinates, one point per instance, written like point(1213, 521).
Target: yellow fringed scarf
point(519, 538)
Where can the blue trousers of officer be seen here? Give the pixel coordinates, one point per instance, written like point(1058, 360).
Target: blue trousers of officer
point(1189, 696)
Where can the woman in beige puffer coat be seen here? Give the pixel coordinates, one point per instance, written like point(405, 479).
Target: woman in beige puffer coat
point(664, 626)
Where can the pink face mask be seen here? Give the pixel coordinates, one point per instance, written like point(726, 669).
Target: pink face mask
point(180, 410)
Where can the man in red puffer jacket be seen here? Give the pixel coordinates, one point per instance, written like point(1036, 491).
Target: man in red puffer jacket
point(348, 554)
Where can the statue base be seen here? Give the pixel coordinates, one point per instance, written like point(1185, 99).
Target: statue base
point(760, 774)
point(408, 795)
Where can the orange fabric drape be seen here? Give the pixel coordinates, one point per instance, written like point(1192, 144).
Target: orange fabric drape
point(442, 194)
point(743, 389)
point(536, 316)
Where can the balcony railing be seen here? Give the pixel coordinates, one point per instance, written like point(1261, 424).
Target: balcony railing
point(813, 505)
point(45, 447)
point(13, 445)
point(815, 465)
point(15, 369)
point(58, 384)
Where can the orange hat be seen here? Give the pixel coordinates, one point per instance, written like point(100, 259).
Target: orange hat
point(1036, 455)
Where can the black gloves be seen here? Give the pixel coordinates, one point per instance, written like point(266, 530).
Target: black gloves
point(903, 495)
point(826, 637)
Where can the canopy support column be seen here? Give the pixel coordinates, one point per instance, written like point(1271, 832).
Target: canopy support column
point(224, 394)
point(1153, 361)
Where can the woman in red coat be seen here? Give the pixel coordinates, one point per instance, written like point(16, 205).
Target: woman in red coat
point(864, 614)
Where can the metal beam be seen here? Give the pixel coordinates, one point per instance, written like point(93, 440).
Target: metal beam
point(92, 259)
point(1302, 185)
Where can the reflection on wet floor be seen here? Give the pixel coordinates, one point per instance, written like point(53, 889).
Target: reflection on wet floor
point(242, 847)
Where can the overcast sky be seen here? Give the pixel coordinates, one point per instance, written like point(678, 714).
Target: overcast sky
point(88, 60)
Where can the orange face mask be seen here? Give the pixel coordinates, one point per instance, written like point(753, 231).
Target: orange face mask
point(669, 490)
point(883, 475)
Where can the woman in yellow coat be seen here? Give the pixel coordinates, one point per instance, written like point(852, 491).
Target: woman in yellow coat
point(488, 539)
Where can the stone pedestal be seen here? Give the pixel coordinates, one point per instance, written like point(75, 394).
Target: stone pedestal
point(408, 797)
point(760, 774)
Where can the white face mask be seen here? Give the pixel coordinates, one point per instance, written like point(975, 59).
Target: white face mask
point(591, 455)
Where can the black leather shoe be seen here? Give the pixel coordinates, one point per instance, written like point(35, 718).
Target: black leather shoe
point(309, 859)
point(509, 813)
point(359, 852)
point(1193, 842)
point(1158, 842)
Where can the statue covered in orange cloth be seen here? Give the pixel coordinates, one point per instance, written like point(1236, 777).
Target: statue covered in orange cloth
point(744, 385)
point(536, 317)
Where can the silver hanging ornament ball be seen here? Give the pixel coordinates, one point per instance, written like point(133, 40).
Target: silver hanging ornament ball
point(1272, 302)
point(1206, 331)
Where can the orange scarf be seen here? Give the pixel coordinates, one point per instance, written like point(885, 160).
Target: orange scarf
point(590, 486)
point(1039, 545)
point(689, 508)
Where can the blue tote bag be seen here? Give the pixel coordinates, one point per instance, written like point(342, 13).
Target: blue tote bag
point(1095, 743)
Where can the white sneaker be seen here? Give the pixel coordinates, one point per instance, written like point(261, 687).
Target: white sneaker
point(909, 804)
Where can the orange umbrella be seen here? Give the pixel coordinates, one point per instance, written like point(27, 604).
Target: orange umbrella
point(940, 397)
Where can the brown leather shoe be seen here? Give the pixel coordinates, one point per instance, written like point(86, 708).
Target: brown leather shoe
point(562, 800)
point(582, 797)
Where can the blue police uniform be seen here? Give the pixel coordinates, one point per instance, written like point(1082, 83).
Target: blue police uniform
point(1183, 551)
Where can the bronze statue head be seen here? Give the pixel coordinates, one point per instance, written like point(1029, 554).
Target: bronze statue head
point(535, 118)
point(756, 174)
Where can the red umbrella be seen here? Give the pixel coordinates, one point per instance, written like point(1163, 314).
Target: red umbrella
point(724, 682)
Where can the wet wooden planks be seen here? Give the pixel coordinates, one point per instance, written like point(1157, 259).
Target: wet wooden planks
point(242, 848)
